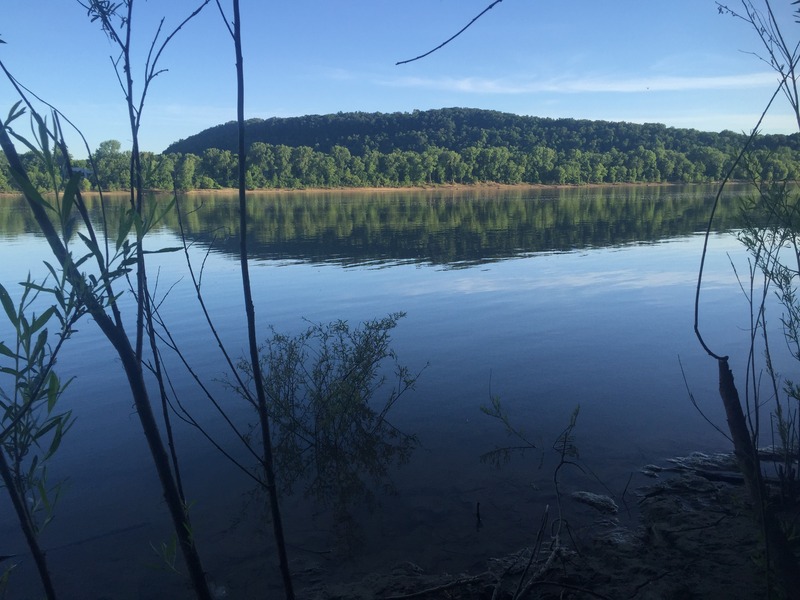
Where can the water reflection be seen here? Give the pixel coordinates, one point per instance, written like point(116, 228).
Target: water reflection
point(453, 228)
point(331, 390)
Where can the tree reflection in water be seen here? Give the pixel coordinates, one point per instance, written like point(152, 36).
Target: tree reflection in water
point(330, 391)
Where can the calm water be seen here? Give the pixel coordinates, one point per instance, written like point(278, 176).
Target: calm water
point(547, 299)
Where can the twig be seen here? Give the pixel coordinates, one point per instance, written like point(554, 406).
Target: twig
point(697, 406)
point(535, 578)
point(447, 41)
point(648, 582)
point(568, 586)
point(446, 586)
point(707, 236)
point(698, 527)
point(534, 551)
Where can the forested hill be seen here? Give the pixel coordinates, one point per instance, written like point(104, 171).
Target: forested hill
point(447, 146)
point(457, 129)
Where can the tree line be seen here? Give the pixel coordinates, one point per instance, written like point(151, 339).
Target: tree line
point(439, 147)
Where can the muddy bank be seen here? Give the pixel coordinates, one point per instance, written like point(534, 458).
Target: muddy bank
point(692, 536)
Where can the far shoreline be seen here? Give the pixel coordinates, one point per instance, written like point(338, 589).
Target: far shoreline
point(437, 187)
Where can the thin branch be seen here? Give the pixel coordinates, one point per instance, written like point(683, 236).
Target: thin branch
point(225, 19)
point(464, 581)
point(711, 221)
point(443, 44)
point(172, 344)
point(185, 416)
point(697, 406)
point(150, 67)
point(196, 282)
point(21, 90)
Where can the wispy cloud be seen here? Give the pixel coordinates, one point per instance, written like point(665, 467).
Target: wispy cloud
point(775, 122)
point(595, 84)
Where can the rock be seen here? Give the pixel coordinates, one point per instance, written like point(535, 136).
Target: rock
point(696, 461)
point(218, 592)
point(651, 470)
point(604, 504)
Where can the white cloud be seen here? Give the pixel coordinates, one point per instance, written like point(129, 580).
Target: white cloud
point(775, 122)
point(567, 85)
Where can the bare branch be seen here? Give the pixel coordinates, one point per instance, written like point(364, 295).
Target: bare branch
point(225, 19)
point(443, 44)
point(707, 236)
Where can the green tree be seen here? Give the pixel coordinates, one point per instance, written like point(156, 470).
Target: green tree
point(282, 175)
point(185, 169)
point(301, 158)
point(158, 170)
point(113, 166)
point(5, 177)
point(540, 165)
point(709, 162)
point(343, 172)
point(219, 166)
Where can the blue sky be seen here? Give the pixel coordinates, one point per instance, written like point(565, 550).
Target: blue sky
point(677, 62)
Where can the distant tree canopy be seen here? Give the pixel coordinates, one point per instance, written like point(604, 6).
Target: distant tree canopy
point(453, 145)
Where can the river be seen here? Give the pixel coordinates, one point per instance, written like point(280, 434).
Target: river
point(548, 299)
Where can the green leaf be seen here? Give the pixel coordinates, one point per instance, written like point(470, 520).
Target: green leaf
point(42, 319)
point(44, 139)
point(52, 270)
point(139, 224)
point(8, 306)
point(40, 487)
point(149, 220)
point(56, 441)
point(38, 349)
point(44, 429)
point(163, 250)
point(26, 143)
point(68, 201)
point(124, 227)
point(93, 247)
point(14, 113)
point(167, 208)
point(83, 259)
point(53, 388)
point(38, 288)
point(6, 351)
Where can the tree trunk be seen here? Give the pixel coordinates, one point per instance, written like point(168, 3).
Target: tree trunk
point(779, 551)
point(27, 526)
point(263, 416)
